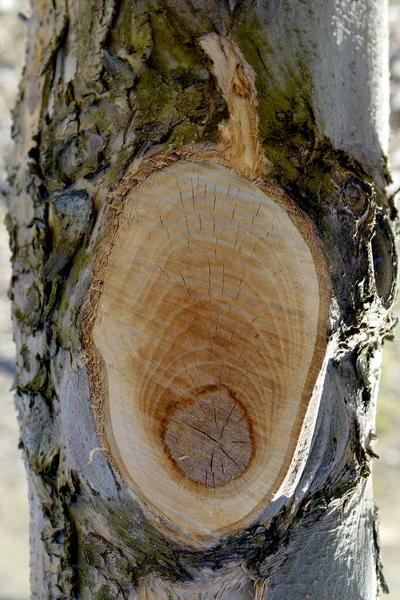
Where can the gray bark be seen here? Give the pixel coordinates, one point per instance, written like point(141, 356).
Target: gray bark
point(106, 82)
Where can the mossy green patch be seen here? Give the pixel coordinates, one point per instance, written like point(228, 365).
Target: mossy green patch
point(185, 133)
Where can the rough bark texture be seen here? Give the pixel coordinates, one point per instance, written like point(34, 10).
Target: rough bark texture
point(109, 82)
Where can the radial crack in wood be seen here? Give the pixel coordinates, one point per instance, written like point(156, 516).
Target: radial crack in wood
point(209, 438)
point(212, 331)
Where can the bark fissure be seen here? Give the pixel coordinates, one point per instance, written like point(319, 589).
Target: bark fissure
point(106, 86)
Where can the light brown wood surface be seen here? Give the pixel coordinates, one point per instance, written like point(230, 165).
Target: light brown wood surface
point(212, 330)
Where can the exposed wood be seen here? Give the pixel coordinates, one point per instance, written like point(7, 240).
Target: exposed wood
point(212, 329)
point(240, 141)
point(117, 96)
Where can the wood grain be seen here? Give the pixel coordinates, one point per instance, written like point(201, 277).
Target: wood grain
point(212, 330)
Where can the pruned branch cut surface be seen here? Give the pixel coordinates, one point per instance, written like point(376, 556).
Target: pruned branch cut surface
point(212, 330)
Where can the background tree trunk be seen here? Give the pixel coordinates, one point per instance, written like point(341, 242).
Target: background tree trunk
point(107, 84)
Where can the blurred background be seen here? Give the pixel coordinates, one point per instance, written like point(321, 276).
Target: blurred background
point(14, 520)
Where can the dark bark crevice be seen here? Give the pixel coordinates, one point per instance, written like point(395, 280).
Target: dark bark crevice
point(103, 86)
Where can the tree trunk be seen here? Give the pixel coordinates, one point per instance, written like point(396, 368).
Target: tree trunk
point(130, 112)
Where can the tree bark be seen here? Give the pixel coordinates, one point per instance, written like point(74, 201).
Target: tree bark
point(107, 87)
